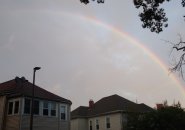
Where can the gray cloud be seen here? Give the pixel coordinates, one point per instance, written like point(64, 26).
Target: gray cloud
point(79, 59)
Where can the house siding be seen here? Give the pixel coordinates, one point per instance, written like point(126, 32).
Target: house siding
point(21, 121)
point(46, 122)
point(83, 123)
point(2, 110)
point(79, 124)
point(115, 122)
point(40, 123)
point(14, 92)
point(12, 122)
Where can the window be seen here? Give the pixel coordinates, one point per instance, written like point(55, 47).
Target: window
point(16, 107)
point(45, 108)
point(10, 108)
point(63, 114)
point(107, 122)
point(36, 107)
point(90, 125)
point(97, 124)
point(53, 109)
point(13, 107)
point(27, 106)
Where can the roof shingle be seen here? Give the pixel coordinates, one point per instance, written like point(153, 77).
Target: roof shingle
point(113, 103)
point(21, 87)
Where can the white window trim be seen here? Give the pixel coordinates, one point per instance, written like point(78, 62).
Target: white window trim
point(56, 106)
point(64, 105)
point(106, 123)
point(24, 105)
point(43, 108)
point(90, 124)
point(96, 123)
point(14, 100)
point(40, 104)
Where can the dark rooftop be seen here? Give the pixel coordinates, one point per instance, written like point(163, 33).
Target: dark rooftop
point(110, 104)
point(21, 87)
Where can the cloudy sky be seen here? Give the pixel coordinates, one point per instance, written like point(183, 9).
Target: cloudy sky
point(90, 51)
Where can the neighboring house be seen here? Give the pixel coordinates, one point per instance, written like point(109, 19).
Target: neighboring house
point(109, 113)
point(51, 112)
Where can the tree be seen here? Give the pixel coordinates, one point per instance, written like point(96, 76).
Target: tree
point(153, 17)
point(87, 1)
point(179, 60)
point(165, 118)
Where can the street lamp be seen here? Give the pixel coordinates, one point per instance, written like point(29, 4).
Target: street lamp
point(32, 98)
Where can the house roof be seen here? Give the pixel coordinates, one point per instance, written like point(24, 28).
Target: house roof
point(21, 87)
point(110, 104)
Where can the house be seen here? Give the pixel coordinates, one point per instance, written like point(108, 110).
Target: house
point(109, 113)
point(51, 112)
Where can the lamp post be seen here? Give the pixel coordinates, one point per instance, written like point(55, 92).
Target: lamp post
point(32, 98)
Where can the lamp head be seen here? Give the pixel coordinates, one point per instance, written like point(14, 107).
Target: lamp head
point(37, 68)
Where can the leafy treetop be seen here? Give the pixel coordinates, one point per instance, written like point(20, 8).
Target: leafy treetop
point(152, 16)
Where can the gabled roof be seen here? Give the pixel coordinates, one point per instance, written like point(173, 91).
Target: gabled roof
point(110, 104)
point(21, 87)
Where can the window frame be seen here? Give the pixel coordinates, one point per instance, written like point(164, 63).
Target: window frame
point(13, 101)
point(38, 107)
point(25, 105)
point(90, 125)
point(41, 107)
point(106, 123)
point(97, 125)
point(45, 108)
point(30, 105)
point(51, 109)
point(66, 114)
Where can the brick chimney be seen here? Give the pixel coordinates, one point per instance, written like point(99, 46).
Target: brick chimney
point(91, 104)
point(159, 106)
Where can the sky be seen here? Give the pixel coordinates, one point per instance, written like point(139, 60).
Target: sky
point(90, 51)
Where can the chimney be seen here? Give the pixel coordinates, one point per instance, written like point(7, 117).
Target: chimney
point(159, 106)
point(91, 104)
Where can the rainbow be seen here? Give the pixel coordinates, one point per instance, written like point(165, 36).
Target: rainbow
point(129, 38)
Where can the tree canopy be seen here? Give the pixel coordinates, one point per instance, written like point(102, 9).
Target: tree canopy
point(165, 118)
point(152, 15)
